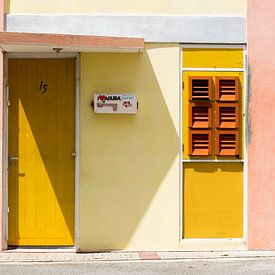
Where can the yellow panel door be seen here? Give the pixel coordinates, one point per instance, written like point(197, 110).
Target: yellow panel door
point(41, 142)
point(213, 200)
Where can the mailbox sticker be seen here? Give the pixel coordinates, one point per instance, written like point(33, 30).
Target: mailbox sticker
point(115, 103)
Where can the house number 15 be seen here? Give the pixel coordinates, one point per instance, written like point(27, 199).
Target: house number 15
point(43, 87)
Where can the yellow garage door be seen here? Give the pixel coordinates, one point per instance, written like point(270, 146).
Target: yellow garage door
point(41, 152)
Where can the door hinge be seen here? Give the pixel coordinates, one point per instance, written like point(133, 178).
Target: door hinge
point(8, 210)
point(8, 96)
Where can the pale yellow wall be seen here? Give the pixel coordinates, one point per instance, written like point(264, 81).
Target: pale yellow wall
point(129, 164)
point(170, 7)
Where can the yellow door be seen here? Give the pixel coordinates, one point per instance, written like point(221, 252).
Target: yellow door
point(41, 145)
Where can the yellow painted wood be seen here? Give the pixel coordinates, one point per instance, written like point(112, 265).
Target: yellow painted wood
point(185, 109)
point(213, 200)
point(212, 58)
point(212, 192)
point(41, 133)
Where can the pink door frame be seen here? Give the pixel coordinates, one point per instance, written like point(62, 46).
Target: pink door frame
point(3, 242)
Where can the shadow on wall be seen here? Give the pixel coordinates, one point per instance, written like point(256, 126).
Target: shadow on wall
point(213, 168)
point(125, 159)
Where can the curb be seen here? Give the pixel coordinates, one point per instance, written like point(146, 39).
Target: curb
point(142, 256)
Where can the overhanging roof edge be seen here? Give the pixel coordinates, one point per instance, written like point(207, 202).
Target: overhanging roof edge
point(63, 40)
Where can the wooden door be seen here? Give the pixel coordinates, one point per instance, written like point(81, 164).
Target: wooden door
point(42, 135)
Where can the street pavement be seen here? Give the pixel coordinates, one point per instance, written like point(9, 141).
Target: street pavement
point(179, 262)
point(214, 266)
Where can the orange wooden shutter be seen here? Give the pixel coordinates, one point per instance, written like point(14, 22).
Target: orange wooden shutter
point(227, 115)
point(200, 87)
point(227, 143)
point(200, 142)
point(200, 115)
point(227, 89)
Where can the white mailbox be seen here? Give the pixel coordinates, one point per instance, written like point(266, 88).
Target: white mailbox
point(115, 103)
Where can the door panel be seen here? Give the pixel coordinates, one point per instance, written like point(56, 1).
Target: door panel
point(42, 135)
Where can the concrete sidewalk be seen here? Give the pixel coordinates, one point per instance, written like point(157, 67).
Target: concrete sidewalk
point(66, 256)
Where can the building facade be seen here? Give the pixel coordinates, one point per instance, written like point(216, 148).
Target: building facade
point(172, 175)
point(260, 150)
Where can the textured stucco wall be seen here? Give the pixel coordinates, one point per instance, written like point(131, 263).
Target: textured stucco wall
point(129, 164)
point(156, 7)
point(201, 29)
point(261, 171)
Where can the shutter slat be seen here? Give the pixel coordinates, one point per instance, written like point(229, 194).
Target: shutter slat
point(200, 115)
point(200, 142)
point(227, 88)
point(200, 88)
point(227, 143)
point(227, 115)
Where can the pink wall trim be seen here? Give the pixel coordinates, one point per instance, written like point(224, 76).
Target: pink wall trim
point(261, 149)
point(42, 39)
